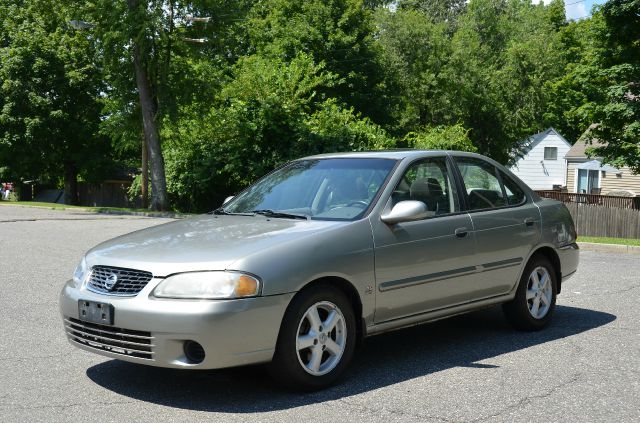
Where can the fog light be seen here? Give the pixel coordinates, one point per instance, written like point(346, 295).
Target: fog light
point(193, 351)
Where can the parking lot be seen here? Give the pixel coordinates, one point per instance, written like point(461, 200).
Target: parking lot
point(584, 367)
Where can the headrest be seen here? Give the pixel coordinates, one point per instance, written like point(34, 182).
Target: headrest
point(425, 188)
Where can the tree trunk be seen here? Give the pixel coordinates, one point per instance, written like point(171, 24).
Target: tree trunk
point(159, 199)
point(70, 184)
point(145, 174)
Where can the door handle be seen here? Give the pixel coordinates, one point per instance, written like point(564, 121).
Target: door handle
point(529, 221)
point(461, 232)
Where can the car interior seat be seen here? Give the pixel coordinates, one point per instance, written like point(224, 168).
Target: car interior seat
point(429, 191)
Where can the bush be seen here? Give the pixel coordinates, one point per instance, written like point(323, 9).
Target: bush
point(454, 137)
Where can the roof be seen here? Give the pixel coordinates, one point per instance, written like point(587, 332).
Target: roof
point(541, 135)
point(578, 150)
point(390, 154)
point(596, 165)
point(533, 140)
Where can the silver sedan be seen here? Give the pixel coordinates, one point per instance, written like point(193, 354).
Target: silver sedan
point(298, 268)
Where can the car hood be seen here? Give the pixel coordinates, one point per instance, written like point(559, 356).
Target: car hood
point(207, 242)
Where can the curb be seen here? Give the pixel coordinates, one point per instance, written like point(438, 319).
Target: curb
point(609, 248)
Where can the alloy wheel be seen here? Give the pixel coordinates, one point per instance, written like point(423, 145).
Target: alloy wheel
point(539, 292)
point(321, 338)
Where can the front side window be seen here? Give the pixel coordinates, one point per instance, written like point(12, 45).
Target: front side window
point(325, 189)
point(428, 181)
point(481, 182)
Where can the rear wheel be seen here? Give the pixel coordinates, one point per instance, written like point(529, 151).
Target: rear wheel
point(316, 340)
point(535, 300)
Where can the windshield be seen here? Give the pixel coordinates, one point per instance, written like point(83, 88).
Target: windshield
point(327, 189)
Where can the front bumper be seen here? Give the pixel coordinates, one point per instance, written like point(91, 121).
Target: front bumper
point(231, 332)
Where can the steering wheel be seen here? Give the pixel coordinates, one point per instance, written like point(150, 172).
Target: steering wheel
point(362, 203)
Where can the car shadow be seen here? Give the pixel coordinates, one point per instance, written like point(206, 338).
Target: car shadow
point(383, 360)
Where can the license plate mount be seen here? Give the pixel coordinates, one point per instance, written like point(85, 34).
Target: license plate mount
point(95, 312)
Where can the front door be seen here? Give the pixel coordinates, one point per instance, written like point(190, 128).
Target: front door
point(424, 265)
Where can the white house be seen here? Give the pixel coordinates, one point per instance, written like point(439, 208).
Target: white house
point(543, 166)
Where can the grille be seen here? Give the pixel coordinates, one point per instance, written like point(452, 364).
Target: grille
point(132, 343)
point(129, 281)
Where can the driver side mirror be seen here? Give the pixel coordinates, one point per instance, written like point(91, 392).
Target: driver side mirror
point(406, 211)
point(226, 200)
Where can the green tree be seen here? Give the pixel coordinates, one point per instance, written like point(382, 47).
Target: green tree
point(618, 118)
point(415, 54)
point(268, 113)
point(338, 33)
point(503, 52)
point(438, 11)
point(572, 98)
point(454, 137)
point(135, 37)
point(600, 85)
point(49, 97)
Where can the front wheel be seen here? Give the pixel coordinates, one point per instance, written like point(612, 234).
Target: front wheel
point(316, 341)
point(535, 300)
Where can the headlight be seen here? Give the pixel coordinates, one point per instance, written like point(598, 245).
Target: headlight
point(208, 285)
point(80, 273)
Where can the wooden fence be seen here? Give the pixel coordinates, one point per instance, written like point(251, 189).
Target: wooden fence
point(601, 215)
point(601, 200)
point(595, 220)
point(106, 194)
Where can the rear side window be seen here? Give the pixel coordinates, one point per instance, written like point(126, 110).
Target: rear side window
point(482, 184)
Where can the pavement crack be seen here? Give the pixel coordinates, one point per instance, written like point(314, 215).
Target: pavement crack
point(602, 294)
point(401, 413)
point(530, 399)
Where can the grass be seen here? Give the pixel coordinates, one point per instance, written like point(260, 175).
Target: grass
point(55, 206)
point(607, 240)
point(42, 204)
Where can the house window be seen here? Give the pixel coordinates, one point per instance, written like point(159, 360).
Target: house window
point(588, 180)
point(551, 153)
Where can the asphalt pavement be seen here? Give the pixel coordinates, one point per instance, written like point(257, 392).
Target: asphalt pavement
point(585, 367)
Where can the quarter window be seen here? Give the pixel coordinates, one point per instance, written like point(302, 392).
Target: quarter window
point(515, 194)
point(428, 181)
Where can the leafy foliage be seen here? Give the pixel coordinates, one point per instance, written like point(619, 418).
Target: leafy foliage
point(267, 114)
point(618, 119)
point(49, 96)
point(261, 82)
point(454, 137)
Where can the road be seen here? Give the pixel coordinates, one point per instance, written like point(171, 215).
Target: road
point(585, 367)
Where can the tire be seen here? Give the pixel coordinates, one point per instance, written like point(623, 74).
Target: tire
point(309, 356)
point(522, 311)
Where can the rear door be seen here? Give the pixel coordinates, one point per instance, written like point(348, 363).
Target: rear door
point(506, 224)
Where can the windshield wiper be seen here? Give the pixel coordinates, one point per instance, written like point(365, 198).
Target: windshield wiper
point(272, 213)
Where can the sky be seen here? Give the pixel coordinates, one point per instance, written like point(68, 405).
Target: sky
point(577, 9)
